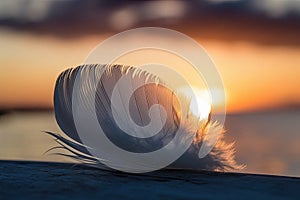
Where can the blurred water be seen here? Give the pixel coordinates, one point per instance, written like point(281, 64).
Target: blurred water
point(267, 143)
point(21, 136)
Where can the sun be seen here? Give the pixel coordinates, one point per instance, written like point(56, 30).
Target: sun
point(200, 104)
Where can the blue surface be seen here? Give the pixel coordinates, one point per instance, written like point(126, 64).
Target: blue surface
point(43, 180)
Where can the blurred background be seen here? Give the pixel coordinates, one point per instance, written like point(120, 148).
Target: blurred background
point(254, 43)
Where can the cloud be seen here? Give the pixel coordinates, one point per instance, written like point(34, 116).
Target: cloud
point(25, 10)
point(277, 8)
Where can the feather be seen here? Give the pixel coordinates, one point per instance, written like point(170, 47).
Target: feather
point(116, 122)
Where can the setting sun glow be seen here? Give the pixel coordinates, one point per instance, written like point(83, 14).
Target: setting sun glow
point(200, 103)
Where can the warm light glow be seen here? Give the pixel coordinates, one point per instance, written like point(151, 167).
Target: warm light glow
point(200, 104)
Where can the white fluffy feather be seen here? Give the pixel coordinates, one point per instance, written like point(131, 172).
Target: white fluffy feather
point(221, 158)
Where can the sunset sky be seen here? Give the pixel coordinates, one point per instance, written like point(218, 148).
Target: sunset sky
point(256, 75)
point(255, 45)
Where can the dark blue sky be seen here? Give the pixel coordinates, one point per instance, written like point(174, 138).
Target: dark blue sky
point(262, 21)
